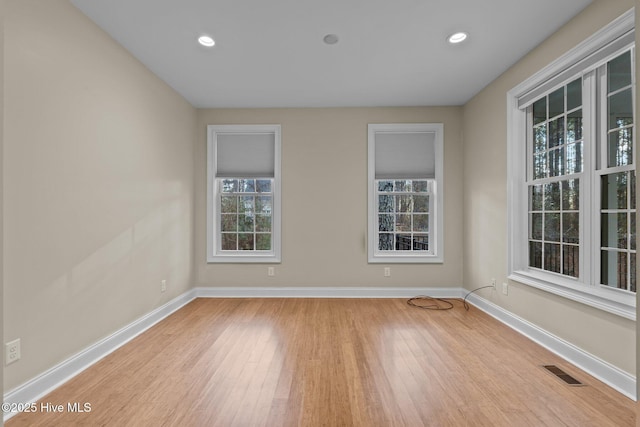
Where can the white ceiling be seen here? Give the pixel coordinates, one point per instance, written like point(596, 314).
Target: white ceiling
point(271, 53)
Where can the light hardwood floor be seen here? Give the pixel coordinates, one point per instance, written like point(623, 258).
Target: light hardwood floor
point(331, 362)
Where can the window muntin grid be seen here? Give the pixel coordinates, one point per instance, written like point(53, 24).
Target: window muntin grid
point(556, 241)
point(245, 218)
point(404, 215)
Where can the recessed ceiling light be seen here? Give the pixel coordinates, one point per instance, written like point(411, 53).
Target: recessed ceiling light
point(206, 41)
point(457, 37)
point(330, 39)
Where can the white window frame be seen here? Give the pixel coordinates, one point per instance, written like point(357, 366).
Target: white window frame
point(436, 205)
point(587, 290)
point(214, 254)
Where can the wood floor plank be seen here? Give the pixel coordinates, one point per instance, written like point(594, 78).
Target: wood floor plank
point(331, 362)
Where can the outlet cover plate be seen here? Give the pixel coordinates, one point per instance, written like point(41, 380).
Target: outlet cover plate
point(12, 351)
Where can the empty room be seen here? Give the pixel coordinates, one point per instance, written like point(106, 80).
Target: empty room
point(304, 213)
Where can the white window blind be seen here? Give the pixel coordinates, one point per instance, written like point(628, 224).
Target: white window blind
point(245, 155)
point(579, 67)
point(405, 155)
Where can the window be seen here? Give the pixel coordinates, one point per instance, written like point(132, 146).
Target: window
point(405, 193)
point(572, 174)
point(617, 176)
point(243, 209)
point(556, 165)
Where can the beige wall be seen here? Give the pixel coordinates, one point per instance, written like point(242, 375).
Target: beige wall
point(485, 200)
point(98, 186)
point(324, 189)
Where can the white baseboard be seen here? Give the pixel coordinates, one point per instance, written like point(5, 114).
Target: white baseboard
point(324, 292)
point(51, 379)
point(616, 378)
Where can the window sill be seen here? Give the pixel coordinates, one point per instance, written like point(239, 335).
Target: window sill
point(245, 258)
point(614, 301)
point(406, 259)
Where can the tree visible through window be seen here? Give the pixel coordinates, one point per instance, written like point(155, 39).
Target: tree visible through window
point(554, 190)
point(405, 192)
point(403, 215)
point(618, 201)
point(559, 180)
point(572, 174)
point(562, 189)
point(243, 203)
point(245, 214)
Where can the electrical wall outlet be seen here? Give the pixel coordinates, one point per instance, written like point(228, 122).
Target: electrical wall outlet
point(271, 271)
point(163, 285)
point(505, 288)
point(12, 351)
point(387, 272)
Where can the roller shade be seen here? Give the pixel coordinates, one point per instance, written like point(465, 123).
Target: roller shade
point(405, 155)
point(580, 67)
point(245, 155)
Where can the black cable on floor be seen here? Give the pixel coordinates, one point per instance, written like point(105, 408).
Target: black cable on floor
point(434, 303)
point(440, 303)
point(464, 301)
